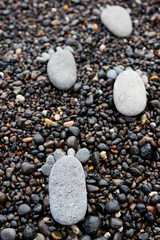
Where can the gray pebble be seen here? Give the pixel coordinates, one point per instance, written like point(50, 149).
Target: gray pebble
point(83, 155)
point(67, 191)
point(23, 209)
point(62, 69)
point(27, 167)
point(118, 69)
point(111, 74)
point(74, 130)
point(50, 160)
point(46, 169)
point(58, 154)
point(38, 138)
point(117, 20)
point(8, 234)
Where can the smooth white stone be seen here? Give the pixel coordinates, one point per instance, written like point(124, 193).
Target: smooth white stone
point(62, 69)
point(117, 20)
point(67, 191)
point(129, 93)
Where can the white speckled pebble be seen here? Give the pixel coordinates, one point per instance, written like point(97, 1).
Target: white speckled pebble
point(62, 69)
point(129, 93)
point(67, 191)
point(117, 20)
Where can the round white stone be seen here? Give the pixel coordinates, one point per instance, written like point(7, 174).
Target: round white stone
point(129, 93)
point(62, 69)
point(117, 20)
point(67, 191)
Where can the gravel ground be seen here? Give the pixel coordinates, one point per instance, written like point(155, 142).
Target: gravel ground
point(122, 174)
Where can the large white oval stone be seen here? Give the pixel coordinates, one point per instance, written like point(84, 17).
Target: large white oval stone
point(67, 191)
point(117, 20)
point(129, 93)
point(62, 69)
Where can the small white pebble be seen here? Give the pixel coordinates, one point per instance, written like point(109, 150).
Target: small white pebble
point(118, 214)
point(2, 75)
point(45, 55)
point(18, 51)
point(44, 112)
point(151, 194)
point(41, 59)
point(71, 152)
point(111, 130)
point(107, 235)
point(20, 98)
point(153, 124)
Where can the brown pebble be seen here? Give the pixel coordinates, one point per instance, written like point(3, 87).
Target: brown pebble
point(153, 143)
point(56, 235)
point(132, 207)
point(3, 197)
point(42, 226)
point(154, 78)
point(151, 209)
point(72, 142)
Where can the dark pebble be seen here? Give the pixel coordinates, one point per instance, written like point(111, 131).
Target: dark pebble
point(27, 168)
point(146, 151)
point(3, 220)
point(117, 236)
point(116, 222)
point(136, 172)
point(74, 130)
point(92, 224)
point(29, 232)
point(143, 236)
point(38, 138)
point(112, 206)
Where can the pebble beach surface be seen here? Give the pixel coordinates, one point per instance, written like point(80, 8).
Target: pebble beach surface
point(40, 124)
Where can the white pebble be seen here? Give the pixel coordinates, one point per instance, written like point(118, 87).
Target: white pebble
point(41, 59)
point(129, 93)
point(71, 152)
point(20, 98)
point(46, 56)
point(117, 20)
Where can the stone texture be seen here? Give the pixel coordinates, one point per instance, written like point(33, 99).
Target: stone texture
point(67, 191)
point(62, 70)
point(129, 93)
point(117, 20)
